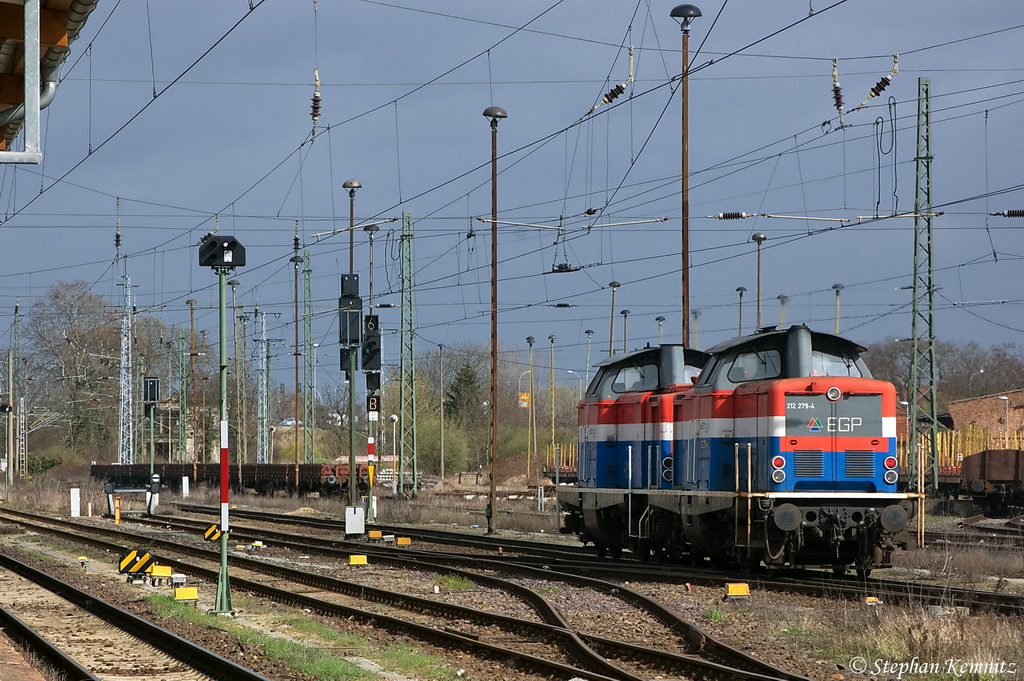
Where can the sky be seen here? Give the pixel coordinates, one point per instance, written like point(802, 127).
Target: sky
point(178, 119)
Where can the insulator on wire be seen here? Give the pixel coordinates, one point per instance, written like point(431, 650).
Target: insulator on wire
point(315, 109)
point(879, 86)
point(883, 83)
point(731, 216)
point(614, 93)
point(1010, 214)
point(837, 92)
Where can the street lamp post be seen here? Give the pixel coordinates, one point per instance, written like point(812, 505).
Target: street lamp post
point(495, 114)
point(579, 378)
point(625, 329)
point(223, 254)
point(613, 285)
point(296, 260)
point(531, 429)
point(589, 332)
point(783, 300)
point(759, 238)
point(660, 320)
point(351, 186)
point(741, 290)
point(1006, 419)
point(440, 376)
point(837, 288)
point(552, 339)
point(685, 14)
point(394, 453)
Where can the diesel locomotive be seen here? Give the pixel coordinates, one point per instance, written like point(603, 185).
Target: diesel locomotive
point(775, 448)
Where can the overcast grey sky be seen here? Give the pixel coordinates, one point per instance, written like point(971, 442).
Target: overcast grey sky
point(403, 86)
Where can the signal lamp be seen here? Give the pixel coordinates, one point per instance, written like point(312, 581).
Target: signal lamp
point(778, 476)
point(890, 462)
point(778, 462)
point(890, 477)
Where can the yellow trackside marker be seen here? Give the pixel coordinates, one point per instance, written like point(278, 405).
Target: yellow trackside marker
point(872, 600)
point(135, 562)
point(186, 593)
point(357, 560)
point(212, 533)
point(403, 541)
point(375, 535)
point(737, 590)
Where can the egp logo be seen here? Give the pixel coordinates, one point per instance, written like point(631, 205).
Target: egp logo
point(835, 424)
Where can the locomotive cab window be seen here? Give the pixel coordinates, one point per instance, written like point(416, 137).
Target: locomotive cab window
point(829, 364)
point(755, 366)
point(636, 378)
point(613, 381)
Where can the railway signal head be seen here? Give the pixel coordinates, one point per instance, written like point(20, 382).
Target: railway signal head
point(221, 251)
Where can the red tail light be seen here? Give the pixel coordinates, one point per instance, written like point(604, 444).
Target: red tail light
point(890, 462)
point(778, 462)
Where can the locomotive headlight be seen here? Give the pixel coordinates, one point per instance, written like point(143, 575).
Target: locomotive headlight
point(778, 476)
point(890, 477)
point(833, 394)
point(778, 462)
point(890, 462)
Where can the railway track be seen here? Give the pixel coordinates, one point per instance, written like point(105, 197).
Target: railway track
point(569, 565)
point(86, 638)
point(697, 654)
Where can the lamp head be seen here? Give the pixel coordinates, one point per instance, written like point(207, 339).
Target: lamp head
point(589, 332)
point(624, 313)
point(552, 339)
point(741, 290)
point(684, 14)
point(495, 113)
point(352, 186)
point(758, 237)
point(529, 341)
point(614, 285)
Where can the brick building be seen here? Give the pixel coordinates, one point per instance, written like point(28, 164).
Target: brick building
point(991, 411)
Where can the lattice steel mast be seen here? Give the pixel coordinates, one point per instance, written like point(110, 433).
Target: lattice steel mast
point(126, 421)
point(407, 366)
point(308, 368)
point(262, 353)
point(923, 402)
point(183, 389)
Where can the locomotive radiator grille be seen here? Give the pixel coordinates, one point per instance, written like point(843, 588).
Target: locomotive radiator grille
point(808, 464)
point(860, 464)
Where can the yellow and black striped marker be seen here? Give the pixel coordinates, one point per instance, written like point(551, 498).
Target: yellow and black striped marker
point(212, 533)
point(135, 562)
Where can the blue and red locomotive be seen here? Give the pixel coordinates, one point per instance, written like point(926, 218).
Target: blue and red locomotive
point(775, 448)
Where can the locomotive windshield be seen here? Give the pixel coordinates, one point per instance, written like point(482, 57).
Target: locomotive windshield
point(828, 364)
point(756, 366)
point(615, 380)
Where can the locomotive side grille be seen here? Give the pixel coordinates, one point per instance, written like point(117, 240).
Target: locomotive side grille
point(808, 464)
point(860, 464)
